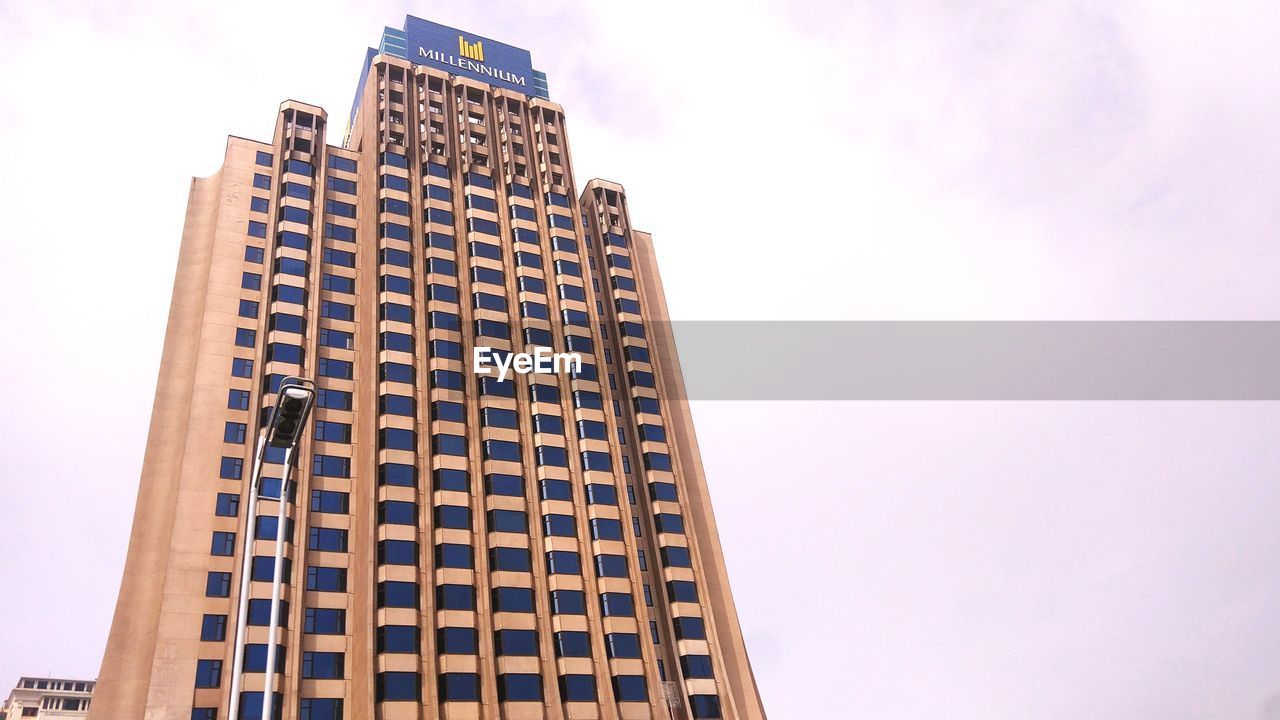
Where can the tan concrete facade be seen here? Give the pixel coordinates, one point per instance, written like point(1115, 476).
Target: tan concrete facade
point(541, 548)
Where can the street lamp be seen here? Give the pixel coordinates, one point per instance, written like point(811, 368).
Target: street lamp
point(283, 430)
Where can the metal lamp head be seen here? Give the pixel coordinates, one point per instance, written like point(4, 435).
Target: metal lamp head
point(289, 417)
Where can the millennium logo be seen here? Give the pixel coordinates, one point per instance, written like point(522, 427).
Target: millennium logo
point(471, 51)
point(470, 58)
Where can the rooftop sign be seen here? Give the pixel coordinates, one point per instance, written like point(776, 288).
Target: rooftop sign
point(468, 55)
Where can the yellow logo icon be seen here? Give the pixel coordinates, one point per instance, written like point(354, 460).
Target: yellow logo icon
point(472, 51)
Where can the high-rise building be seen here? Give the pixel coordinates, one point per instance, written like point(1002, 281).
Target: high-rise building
point(44, 697)
point(460, 544)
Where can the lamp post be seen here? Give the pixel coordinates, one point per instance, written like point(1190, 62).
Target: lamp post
point(283, 430)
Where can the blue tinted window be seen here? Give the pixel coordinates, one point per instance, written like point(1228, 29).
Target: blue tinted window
point(396, 372)
point(555, 490)
point(333, 399)
point(544, 393)
point(233, 432)
point(501, 484)
point(673, 556)
point(690, 628)
point(339, 257)
point(397, 512)
point(397, 594)
point(231, 468)
point(480, 202)
point(397, 552)
point(549, 455)
point(563, 562)
point(340, 232)
point(248, 309)
point(614, 604)
point(398, 474)
point(448, 380)
point(606, 529)
point(398, 685)
point(663, 491)
point(502, 450)
point(393, 159)
point(394, 182)
point(611, 566)
point(522, 212)
point(438, 192)
point(510, 599)
point(514, 521)
point(327, 539)
point(213, 628)
point(325, 621)
point(622, 645)
point(323, 665)
point(238, 399)
point(520, 190)
point(341, 185)
point(587, 399)
point(393, 206)
point(519, 687)
point(395, 283)
point(218, 584)
point(320, 709)
point(437, 215)
point(557, 525)
point(705, 706)
point(453, 516)
point(397, 639)
point(241, 367)
point(696, 666)
point(668, 522)
point(262, 182)
point(461, 687)
point(630, 688)
point(510, 559)
point(568, 602)
point(396, 405)
point(456, 641)
point(337, 283)
point(326, 579)
point(227, 505)
point(334, 207)
point(259, 613)
point(599, 493)
point(482, 226)
point(479, 180)
point(435, 169)
point(329, 367)
point(578, 688)
point(538, 338)
point(289, 294)
point(331, 466)
point(682, 591)
point(570, 643)
point(440, 240)
point(223, 544)
point(455, 597)
point(516, 642)
point(596, 460)
point(338, 162)
point(454, 555)
point(208, 673)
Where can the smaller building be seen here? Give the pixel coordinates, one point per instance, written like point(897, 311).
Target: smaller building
point(48, 698)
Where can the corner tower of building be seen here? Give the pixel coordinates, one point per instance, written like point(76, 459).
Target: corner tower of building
point(457, 546)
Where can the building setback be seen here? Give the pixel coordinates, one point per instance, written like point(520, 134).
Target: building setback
point(36, 697)
point(461, 547)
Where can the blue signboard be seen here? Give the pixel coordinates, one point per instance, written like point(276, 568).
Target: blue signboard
point(468, 55)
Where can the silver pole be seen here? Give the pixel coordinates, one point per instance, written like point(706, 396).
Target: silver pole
point(268, 697)
point(242, 615)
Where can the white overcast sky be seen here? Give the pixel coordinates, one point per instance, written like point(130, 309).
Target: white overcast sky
point(897, 159)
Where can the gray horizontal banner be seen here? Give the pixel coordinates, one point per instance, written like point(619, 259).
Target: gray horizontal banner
point(1235, 360)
